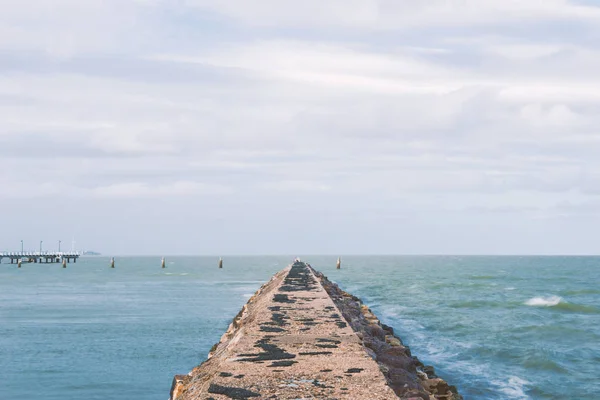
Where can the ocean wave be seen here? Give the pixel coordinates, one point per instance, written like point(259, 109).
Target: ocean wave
point(579, 308)
point(235, 282)
point(582, 291)
point(542, 362)
point(544, 301)
point(479, 284)
point(474, 304)
point(558, 303)
point(514, 388)
point(171, 274)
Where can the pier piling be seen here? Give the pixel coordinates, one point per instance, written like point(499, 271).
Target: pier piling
point(162, 263)
point(64, 263)
point(112, 262)
point(338, 265)
point(220, 262)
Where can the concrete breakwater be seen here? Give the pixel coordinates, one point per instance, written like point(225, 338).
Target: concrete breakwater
point(302, 337)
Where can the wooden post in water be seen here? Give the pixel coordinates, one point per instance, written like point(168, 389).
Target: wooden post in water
point(162, 263)
point(220, 262)
point(64, 263)
point(338, 265)
point(19, 263)
point(112, 262)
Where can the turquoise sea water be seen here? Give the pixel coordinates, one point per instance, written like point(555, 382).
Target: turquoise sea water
point(496, 327)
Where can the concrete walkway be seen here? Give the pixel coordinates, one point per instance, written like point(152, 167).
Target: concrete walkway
point(289, 342)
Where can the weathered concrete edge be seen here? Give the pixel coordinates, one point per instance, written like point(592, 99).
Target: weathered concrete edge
point(405, 373)
point(181, 382)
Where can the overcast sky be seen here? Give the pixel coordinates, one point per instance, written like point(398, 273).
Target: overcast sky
point(294, 127)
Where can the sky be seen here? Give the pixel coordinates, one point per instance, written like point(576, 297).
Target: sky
point(300, 127)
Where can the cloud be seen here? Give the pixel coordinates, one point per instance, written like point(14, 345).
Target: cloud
point(365, 109)
point(555, 116)
point(330, 65)
point(136, 189)
point(129, 190)
point(298, 186)
point(394, 14)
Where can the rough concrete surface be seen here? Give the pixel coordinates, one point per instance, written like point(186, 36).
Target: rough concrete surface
point(301, 337)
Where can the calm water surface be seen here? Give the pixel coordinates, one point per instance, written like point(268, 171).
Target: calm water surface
point(496, 327)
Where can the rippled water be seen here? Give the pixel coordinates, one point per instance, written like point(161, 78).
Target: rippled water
point(496, 327)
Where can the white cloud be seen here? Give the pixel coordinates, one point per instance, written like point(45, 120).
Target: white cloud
point(555, 116)
point(524, 51)
point(137, 189)
point(133, 190)
point(298, 186)
point(398, 108)
point(66, 27)
point(394, 14)
point(330, 65)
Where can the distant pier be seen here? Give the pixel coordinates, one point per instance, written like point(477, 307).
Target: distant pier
point(48, 257)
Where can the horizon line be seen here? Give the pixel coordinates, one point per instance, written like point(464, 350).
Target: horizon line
point(353, 255)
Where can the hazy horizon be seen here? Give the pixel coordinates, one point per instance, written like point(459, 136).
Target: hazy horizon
point(304, 256)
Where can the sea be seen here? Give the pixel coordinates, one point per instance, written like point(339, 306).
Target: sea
point(506, 327)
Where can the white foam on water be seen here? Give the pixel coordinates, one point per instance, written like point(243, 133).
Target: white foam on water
point(394, 312)
point(474, 369)
point(247, 295)
point(509, 288)
point(514, 388)
point(544, 301)
point(444, 353)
